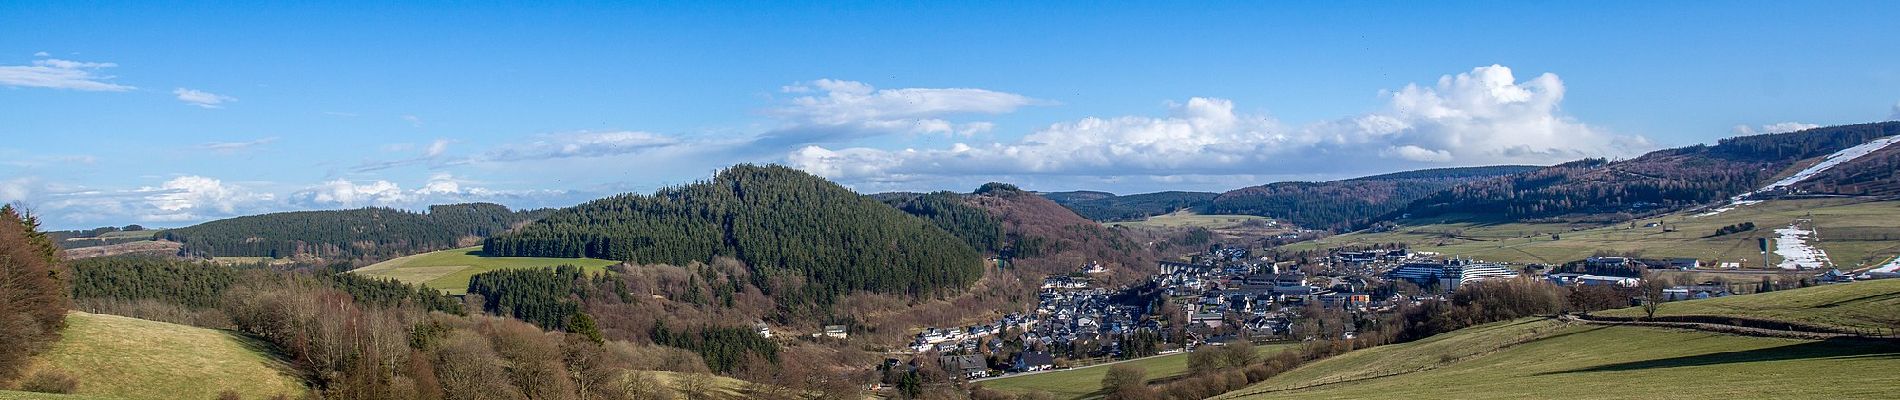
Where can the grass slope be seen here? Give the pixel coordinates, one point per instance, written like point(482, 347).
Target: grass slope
point(1185, 219)
point(1081, 383)
point(449, 270)
point(1537, 358)
point(1869, 304)
point(128, 358)
point(1852, 232)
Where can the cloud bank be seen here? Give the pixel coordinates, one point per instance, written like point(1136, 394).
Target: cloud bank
point(61, 74)
point(1480, 117)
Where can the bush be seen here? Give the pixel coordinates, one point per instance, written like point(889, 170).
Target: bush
point(50, 381)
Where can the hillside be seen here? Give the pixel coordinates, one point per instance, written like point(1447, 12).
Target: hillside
point(1875, 174)
point(449, 270)
point(782, 223)
point(359, 234)
point(1103, 206)
point(1066, 198)
point(1657, 182)
point(1864, 305)
point(126, 358)
point(1086, 382)
point(952, 213)
point(1541, 358)
point(1853, 232)
point(1047, 237)
point(1345, 204)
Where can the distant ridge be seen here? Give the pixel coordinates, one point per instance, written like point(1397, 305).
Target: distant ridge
point(1666, 180)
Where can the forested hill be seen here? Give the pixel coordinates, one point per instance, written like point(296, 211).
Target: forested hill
point(1345, 204)
point(1103, 206)
point(1043, 236)
point(800, 235)
point(949, 211)
point(1666, 180)
point(359, 234)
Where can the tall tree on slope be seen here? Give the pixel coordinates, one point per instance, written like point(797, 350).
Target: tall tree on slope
point(33, 299)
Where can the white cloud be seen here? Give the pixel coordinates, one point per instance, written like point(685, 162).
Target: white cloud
point(16, 189)
point(1480, 117)
point(431, 154)
point(1745, 130)
point(41, 54)
point(1896, 112)
point(436, 148)
point(581, 144)
point(201, 98)
point(837, 110)
point(61, 74)
point(414, 121)
point(441, 188)
point(236, 147)
point(192, 197)
point(346, 194)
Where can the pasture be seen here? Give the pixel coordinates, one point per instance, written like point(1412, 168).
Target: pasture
point(1869, 304)
point(129, 358)
point(1541, 358)
point(449, 270)
point(1853, 233)
point(1085, 382)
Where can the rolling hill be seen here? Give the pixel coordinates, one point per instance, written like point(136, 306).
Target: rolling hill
point(359, 234)
point(1658, 182)
point(127, 358)
point(1048, 237)
point(1103, 206)
point(1544, 358)
point(1086, 382)
point(1854, 233)
point(1859, 305)
point(779, 221)
point(1346, 204)
point(449, 270)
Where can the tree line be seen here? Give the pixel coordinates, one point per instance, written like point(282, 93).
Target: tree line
point(1348, 204)
point(359, 234)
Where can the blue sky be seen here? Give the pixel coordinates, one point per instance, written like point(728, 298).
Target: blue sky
point(171, 114)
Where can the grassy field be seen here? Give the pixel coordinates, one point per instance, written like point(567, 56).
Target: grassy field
point(1083, 382)
point(128, 358)
point(1853, 233)
point(449, 270)
point(1869, 304)
point(1538, 358)
point(1183, 219)
point(12, 395)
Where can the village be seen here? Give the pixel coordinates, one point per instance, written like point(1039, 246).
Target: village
point(1228, 294)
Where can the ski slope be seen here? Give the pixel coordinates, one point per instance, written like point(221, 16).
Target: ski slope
point(1838, 158)
point(1795, 251)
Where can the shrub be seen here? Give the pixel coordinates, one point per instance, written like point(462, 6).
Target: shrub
point(50, 381)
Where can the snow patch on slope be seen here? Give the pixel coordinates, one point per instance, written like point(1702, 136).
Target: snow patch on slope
point(1891, 267)
point(1838, 158)
point(1794, 249)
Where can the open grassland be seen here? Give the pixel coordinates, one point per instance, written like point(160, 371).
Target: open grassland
point(1869, 304)
point(12, 395)
point(1854, 233)
point(1185, 219)
point(1540, 358)
point(128, 358)
point(1085, 382)
point(449, 270)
